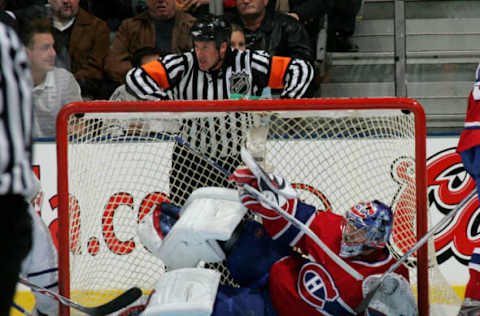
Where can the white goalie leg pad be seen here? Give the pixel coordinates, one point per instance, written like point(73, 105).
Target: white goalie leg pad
point(210, 214)
point(189, 291)
point(393, 298)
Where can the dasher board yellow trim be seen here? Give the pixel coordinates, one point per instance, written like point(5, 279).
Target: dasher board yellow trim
point(26, 299)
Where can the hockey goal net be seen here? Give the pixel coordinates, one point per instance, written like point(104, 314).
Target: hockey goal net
point(117, 160)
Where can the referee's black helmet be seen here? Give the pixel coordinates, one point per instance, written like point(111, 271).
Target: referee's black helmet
point(211, 28)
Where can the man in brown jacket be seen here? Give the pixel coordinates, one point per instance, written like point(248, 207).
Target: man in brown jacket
point(83, 41)
point(161, 26)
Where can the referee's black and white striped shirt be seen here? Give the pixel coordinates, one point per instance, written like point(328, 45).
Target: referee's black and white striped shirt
point(245, 73)
point(16, 116)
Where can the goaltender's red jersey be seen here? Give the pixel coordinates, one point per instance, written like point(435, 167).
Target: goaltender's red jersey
point(318, 286)
point(470, 136)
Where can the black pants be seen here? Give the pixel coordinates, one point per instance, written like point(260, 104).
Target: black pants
point(15, 241)
point(342, 16)
point(190, 172)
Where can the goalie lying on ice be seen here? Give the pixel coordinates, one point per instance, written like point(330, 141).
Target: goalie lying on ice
point(274, 278)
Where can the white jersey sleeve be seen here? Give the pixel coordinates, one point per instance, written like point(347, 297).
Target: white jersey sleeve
point(41, 266)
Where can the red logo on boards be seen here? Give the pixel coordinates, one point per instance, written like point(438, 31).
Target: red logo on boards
point(448, 184)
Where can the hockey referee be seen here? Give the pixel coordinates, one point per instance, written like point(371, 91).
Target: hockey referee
point(16, 177)
point(214, 71)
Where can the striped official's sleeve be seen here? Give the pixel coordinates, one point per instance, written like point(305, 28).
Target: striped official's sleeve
point(151, 81)
point(298, 76)
point(16, 116)
point(293, 75)
point(260, 64)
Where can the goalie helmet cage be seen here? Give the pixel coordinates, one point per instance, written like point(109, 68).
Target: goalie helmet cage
point(121, 159)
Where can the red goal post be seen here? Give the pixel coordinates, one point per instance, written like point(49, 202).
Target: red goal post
point(118, 159)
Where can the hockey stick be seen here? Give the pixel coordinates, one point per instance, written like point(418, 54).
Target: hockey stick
point(21, 309)
point(180, 141)
point(252, 163)
point(125, 299)
point(366, 301)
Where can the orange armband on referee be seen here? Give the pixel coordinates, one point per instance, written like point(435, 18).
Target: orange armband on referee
point(277, 71)
point(157, 72)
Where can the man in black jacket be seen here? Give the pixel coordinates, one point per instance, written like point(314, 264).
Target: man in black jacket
point(275, 32)
point(341, 20)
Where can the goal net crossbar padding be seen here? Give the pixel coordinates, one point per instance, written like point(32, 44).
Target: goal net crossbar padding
point(118, 160)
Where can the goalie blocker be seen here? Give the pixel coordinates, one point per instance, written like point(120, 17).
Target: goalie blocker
point(274, 279)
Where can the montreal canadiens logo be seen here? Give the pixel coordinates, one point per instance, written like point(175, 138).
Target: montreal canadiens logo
point(315, 285)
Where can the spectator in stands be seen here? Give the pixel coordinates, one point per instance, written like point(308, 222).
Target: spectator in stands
point(311, 13)
point(141, 57)
point(14, 5)
point(111, 11)
point(161, 26)
point(237, 39)
point(275, 32)
point(138, 6)
point(82, 42)
point(342, 16)
point(200, 8)
point(53, 87)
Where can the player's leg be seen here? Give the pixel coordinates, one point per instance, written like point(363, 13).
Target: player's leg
point(41, 266)
point(16, 241)
point(243, 301)
point(471, 303)
point(471, 163)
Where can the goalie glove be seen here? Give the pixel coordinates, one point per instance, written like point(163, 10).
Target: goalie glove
point(274, 188)
point(394, 297)
point(209, 215)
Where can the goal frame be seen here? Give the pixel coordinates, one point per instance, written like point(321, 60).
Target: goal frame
point(245, 105)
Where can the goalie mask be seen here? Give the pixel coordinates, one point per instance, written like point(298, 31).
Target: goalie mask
point(365, 226)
